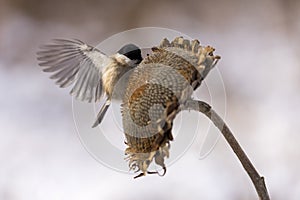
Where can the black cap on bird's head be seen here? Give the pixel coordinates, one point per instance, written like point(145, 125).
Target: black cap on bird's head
point(132, 52)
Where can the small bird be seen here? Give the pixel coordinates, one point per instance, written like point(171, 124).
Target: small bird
point(93, 73)
point(156, 90)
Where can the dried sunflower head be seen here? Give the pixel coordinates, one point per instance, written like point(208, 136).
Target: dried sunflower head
point(157, 89)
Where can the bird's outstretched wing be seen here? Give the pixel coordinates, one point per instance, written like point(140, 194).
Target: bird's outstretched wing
point(73, 61)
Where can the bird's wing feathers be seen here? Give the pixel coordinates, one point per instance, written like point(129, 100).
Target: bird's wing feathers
point(72, 61)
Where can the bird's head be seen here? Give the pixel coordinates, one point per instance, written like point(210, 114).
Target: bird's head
point(132, 52)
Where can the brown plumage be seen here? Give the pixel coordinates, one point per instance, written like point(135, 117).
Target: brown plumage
point(156, 90)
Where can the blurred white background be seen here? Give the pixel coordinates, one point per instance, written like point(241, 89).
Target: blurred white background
point(41, 156)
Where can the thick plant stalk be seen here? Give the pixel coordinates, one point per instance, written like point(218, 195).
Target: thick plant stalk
point(257, 180)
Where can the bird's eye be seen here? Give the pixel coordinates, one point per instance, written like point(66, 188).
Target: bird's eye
point(210, 53)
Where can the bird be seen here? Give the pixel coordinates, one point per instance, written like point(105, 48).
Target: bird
point(157, 90)
point(92, 73)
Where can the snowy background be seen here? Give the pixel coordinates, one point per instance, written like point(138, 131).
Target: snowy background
point(41, 156)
